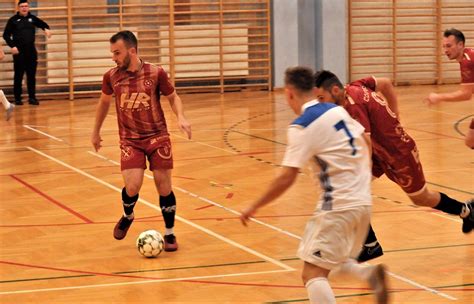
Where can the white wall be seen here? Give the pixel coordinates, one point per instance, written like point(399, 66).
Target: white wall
point(312, 33)
point(333, 38)
point(285, 38)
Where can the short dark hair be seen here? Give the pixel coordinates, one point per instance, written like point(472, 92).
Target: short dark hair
point(326, 80)
point(22, 1)
point(300, 77)
point(128, 38)
point(456, 33)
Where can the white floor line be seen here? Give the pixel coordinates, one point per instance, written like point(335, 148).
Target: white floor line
point(442, 215)
point(69, 128)
point(177, 130)
point(406, 280)
point(206, 200)
point(413, 283)
point(103, 157)
point(204, 144)
point(216, 204)
point(451, 218)
point(190, 223)
point(233, 211)
point(140, 282)
point(43, 133)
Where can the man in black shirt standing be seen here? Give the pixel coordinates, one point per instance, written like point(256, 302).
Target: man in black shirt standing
point(20, 36)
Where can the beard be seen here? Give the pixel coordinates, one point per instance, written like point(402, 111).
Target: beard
point(126, 63)
point(338, 101)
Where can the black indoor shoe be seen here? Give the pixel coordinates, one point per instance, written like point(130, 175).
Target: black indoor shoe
point(33, 101)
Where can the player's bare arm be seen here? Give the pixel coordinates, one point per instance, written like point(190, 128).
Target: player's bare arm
point(464, 93)
point(385, 86)
point(101, 113)
point(279, 185)
point(469, 140)
point(177, 107)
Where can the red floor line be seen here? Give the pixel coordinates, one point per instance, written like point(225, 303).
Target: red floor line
point(79, 271)
point(55, 171)
point(157, 218)
point(302, 287)
point(207, 157)
point(201, 281)
point(52, 200)
point(204, 207)
point(184, 177)
point(76, 224)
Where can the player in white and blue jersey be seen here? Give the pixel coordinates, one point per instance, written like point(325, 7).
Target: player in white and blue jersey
point(329, 139)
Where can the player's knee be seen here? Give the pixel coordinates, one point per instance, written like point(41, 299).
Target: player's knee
point(305, 277)
point(163, 183)
point(164, 189)
point(311, 271)
point(132, 189)
point(308, 275)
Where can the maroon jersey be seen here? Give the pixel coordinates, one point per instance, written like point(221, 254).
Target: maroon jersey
point(467, 66)
point(137, 100)
point(389, 140)
point(394, 151)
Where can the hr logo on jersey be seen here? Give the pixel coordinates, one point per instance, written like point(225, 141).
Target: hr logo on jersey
point(134, 101)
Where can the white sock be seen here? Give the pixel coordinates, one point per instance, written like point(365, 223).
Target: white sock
point(319, 291)
point(371, 244)
point(130, 217)
point(465, 211)
point(168, 231)
point(4, 100)
point(362, 272)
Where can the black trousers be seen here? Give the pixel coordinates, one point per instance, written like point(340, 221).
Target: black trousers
point(25, 61)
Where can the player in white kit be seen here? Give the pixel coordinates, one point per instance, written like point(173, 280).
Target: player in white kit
point(8, 106)
point(327, 137)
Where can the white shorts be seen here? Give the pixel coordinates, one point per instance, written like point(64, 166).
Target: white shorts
point(331, 237)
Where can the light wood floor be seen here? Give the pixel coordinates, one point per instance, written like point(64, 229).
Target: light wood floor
point(60, 201)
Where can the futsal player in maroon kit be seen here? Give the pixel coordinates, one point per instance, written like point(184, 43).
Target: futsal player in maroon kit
point(454, 48)
point(469, 140)
point(394, 152)
point(137, 86)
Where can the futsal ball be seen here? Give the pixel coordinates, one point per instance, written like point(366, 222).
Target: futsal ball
point(150, 243)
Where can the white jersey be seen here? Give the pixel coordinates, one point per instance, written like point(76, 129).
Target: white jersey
point(332, 140)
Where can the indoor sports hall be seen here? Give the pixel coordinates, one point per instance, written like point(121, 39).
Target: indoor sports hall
point(60, 198)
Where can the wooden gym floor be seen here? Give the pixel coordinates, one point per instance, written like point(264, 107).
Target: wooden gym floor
point(60, 201)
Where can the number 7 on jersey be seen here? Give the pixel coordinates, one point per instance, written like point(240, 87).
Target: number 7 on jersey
point(341, 125)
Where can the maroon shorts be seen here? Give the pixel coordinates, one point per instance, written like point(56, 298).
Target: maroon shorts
point(156, 149)
point(405, 170)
